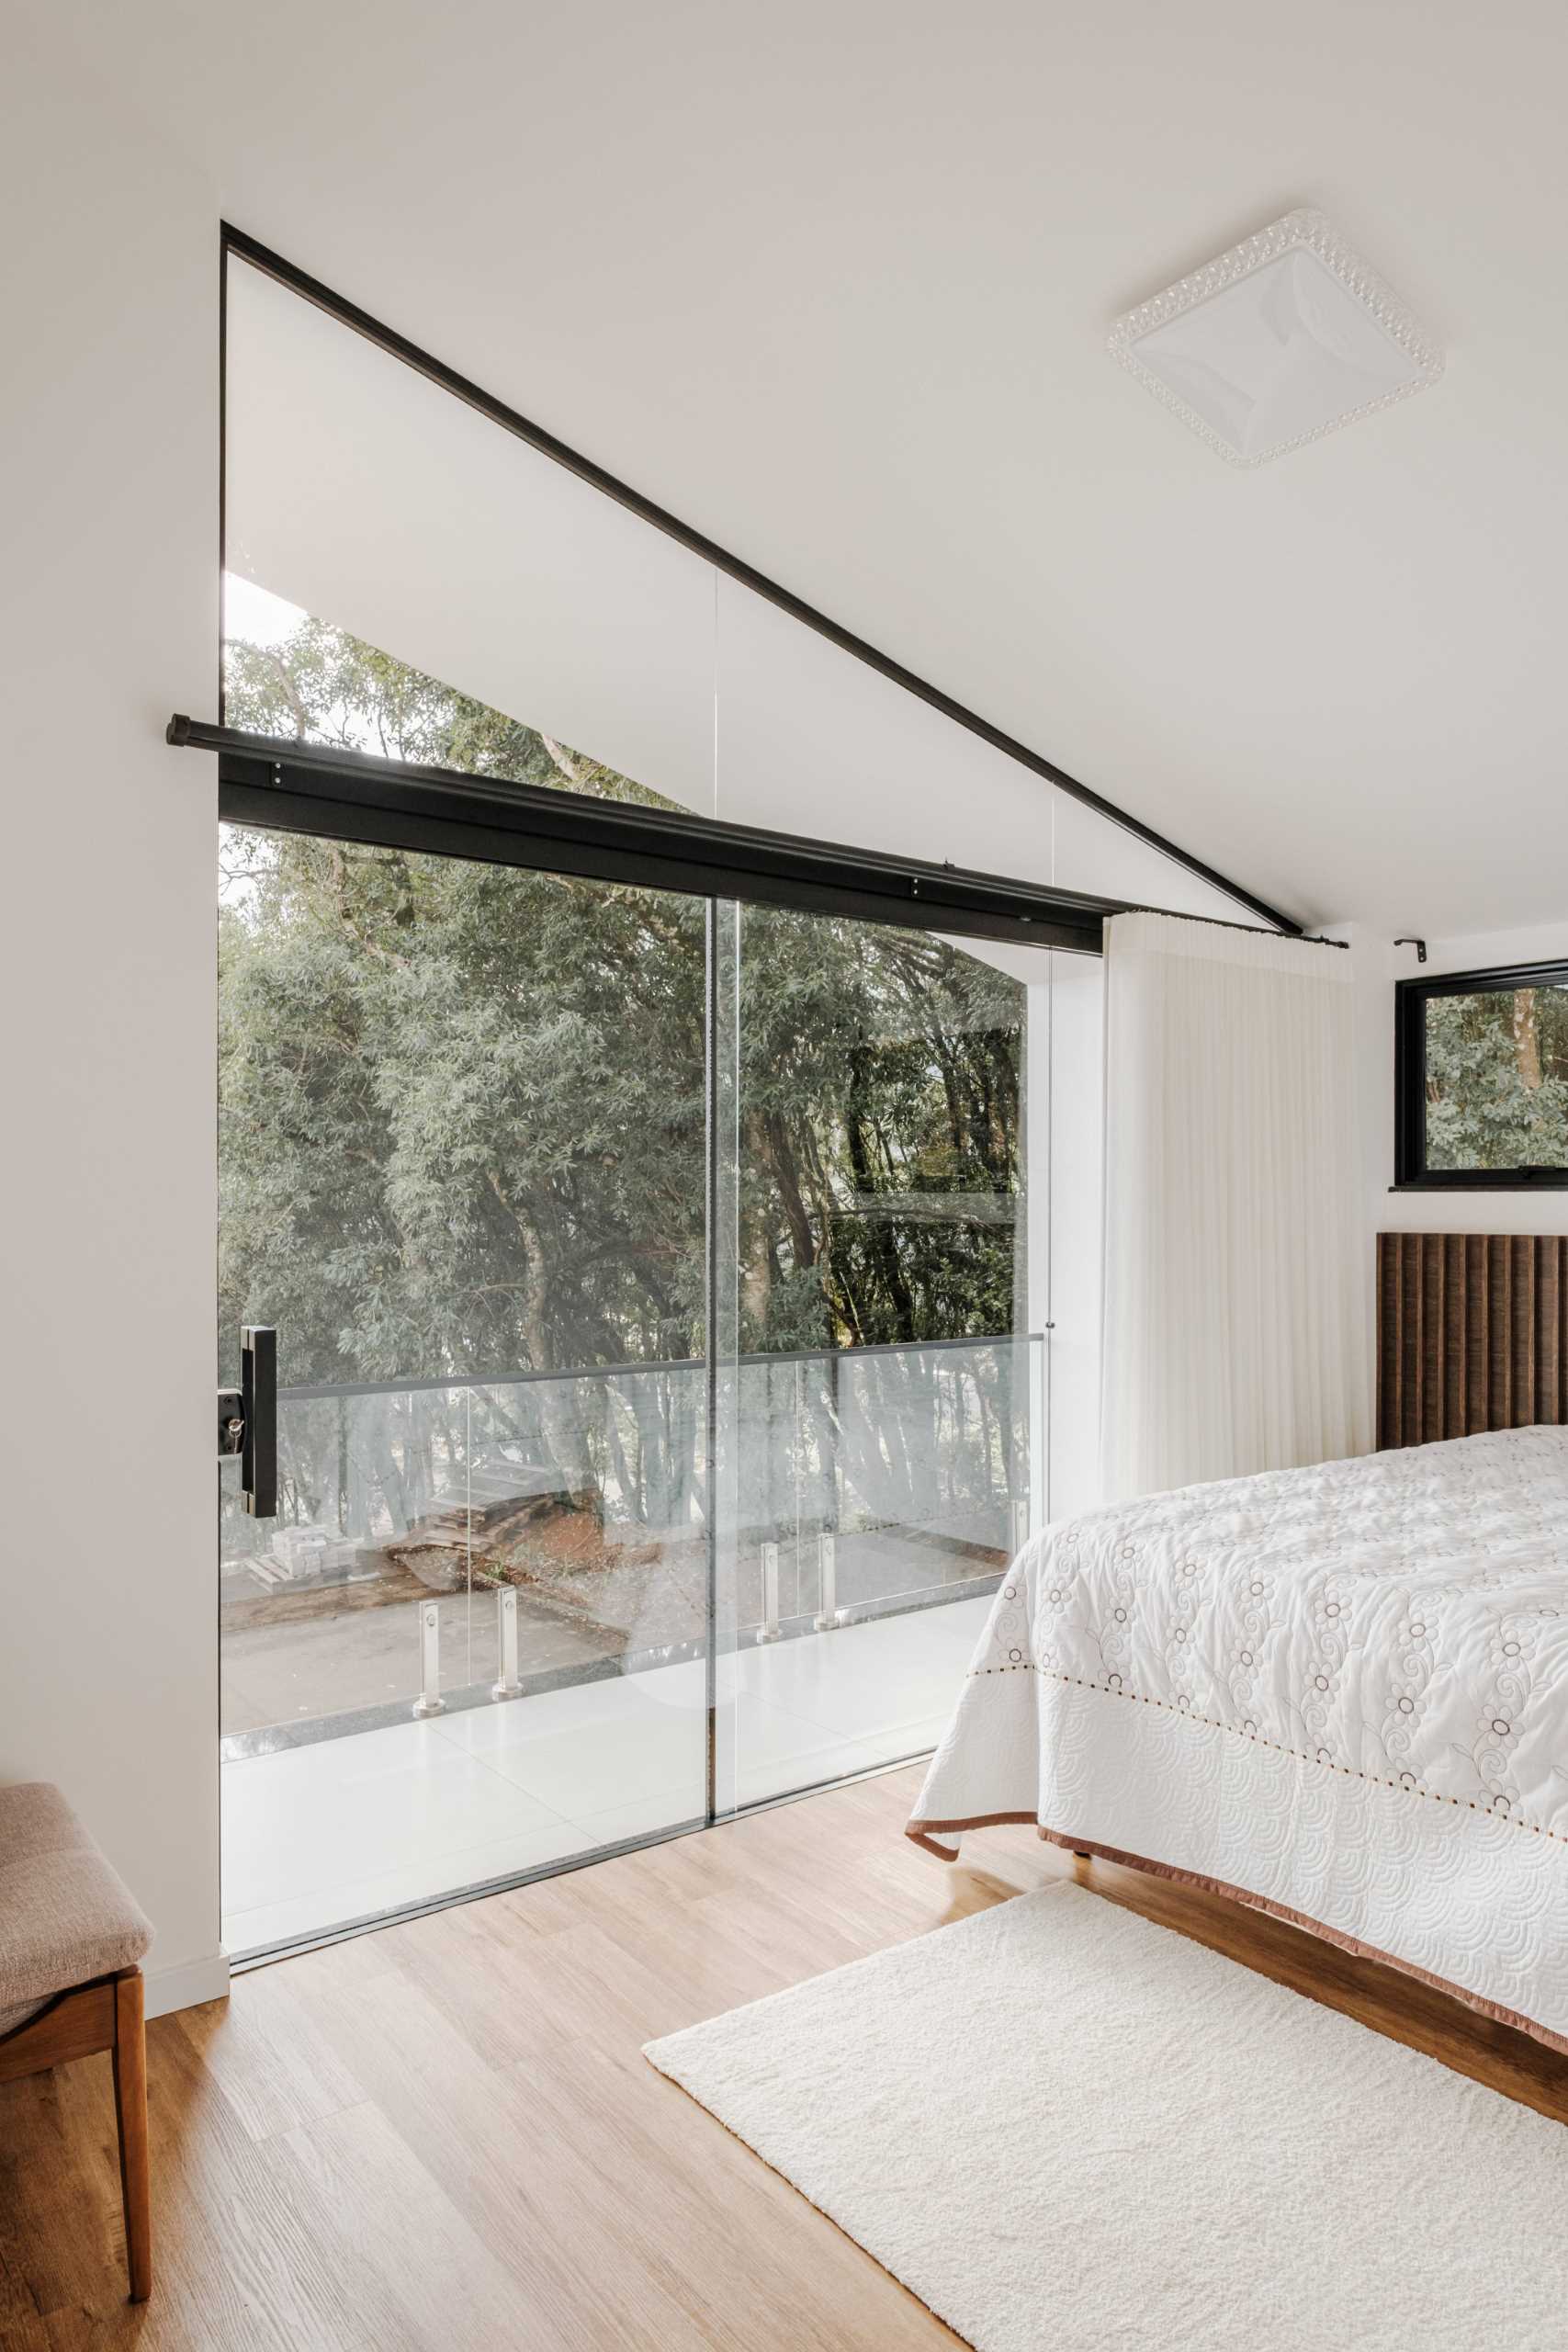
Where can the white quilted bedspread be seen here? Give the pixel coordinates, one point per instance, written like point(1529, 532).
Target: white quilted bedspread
point(1342, 1690)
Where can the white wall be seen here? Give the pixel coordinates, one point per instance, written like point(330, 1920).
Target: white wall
point(1380, 964)
point(108, 484)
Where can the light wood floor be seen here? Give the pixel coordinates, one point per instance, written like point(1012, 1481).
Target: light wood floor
point(445, 2135)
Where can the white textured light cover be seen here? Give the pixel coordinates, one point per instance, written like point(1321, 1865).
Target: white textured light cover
point(1277, 341)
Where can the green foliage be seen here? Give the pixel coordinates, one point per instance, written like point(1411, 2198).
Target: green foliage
point(1497, 1078)
point(325, 687)
point(464, 1109)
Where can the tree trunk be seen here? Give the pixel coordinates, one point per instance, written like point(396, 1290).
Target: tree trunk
point(1527, 1038)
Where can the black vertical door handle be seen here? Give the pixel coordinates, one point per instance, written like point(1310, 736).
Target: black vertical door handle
point(258, 1390)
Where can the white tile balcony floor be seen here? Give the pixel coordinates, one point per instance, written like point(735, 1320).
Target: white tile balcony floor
point(314, 1837)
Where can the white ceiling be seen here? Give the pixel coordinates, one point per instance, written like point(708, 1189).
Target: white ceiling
point(833, 283)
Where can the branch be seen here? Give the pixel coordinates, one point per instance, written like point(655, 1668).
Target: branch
point(563, 760)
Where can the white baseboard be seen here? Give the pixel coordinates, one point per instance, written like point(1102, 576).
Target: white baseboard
point(186, 1982)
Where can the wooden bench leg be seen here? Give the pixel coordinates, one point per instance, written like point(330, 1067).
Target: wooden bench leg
point(130, 2112)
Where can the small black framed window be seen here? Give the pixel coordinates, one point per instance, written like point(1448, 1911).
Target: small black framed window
point(1481, 1080)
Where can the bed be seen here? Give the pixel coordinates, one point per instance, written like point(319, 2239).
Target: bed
point(1339, 1695)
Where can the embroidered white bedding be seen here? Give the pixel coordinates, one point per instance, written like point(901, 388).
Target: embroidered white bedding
point(1341, 1693)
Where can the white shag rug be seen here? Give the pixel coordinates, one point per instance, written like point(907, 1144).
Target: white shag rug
point(1063, 2126)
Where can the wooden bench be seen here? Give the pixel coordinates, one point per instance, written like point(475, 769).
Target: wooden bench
point(70, 1942)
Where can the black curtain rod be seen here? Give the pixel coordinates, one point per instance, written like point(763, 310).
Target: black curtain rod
point(284, 785)
point(1223, 922)
point(398, 346)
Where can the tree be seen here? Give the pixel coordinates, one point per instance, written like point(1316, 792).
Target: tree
point(1497, 1078)
point(463, 1107)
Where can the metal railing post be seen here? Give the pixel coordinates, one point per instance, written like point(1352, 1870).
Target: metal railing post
point(507, 1685)
point(768, 1631)
point(828, 1614)
point(429, 1702)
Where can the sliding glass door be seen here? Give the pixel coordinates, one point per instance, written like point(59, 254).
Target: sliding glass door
point(659, 1275)
point(887, 1398)
point(657, 1403)
point(463, 1174)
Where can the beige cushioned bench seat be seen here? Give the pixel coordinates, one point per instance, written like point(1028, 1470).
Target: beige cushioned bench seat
point(64, 1915)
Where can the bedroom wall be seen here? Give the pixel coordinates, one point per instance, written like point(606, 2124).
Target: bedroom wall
point(1379, 965)
point(107, 481)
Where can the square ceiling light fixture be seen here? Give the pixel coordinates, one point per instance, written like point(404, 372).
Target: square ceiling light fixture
point(1280, 340)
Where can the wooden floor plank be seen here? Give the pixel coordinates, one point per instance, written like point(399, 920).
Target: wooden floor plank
point(273, 2059)
point(446, 2134)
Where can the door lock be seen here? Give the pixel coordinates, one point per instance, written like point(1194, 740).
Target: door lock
point(247, 1419)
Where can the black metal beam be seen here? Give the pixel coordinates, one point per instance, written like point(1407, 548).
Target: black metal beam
point(387, 339)
point(285, 787)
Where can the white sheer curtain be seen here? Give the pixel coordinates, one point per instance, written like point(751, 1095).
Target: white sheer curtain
point(1236, 1324)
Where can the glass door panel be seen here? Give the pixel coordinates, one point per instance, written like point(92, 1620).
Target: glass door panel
point(659, 1282)
point(887, 1393)
point(463, 1154)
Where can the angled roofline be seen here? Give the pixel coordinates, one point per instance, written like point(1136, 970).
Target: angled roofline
point(250, 249)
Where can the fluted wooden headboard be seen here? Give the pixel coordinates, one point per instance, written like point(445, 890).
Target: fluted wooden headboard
point(1472, 1333)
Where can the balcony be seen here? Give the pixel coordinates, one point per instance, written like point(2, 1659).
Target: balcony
point(486, 1629)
